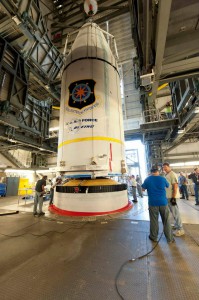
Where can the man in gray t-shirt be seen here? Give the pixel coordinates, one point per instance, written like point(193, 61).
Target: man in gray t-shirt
point(172, 193)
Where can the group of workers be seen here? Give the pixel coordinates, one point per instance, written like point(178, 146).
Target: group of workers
point(163, 191)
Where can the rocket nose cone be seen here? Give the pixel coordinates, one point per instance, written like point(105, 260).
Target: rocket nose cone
point(91, 43)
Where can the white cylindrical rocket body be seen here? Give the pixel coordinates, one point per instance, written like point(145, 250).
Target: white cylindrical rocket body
point(91, 135)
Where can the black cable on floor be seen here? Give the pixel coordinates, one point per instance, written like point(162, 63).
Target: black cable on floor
point(40, 235)
point(9, 213)
point(130, 261)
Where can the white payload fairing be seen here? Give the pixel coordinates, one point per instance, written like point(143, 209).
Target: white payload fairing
point(91, 135)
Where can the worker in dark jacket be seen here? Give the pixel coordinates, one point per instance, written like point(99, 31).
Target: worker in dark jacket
point(39, 192)
point(195, 178)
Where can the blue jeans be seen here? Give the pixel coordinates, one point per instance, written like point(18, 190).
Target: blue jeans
point(184, 192)
point(51, 196)
point(176, 215)
point(154, 225)
point(139, 189)
point(134, 193)
point(196, 190)
point(38, 200)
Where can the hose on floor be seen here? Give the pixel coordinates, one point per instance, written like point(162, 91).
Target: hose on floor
point(9, 213)
point(75, 226)
point(130, 261)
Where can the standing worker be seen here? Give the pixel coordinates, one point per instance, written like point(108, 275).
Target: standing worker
point(195, 178)
point(168, 110)
point(172, 193)
point(133, 185)
point(57, 181)
point(139, 186)
point(182, 182)
point(156, 188)
point(39, 192)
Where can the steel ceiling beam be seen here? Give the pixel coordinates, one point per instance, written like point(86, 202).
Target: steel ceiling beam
point(180, 56)
point(183, 40)
point(178, 141)
point(101, 20)
point(194, 154)
point(81, 16)
point(156, 126)
point(182, 160)
point(181, 66)
point(28, 140)
point(176, 77)
point(161, 35)
point(147, 28)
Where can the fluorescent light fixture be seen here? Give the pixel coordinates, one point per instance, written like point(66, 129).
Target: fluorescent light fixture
point(43, 171)
point(180, 131)
point(18, 171)
point(196, 110)
point(183, 164)
point(16, 20)
point(190, 163)
point(54, 129)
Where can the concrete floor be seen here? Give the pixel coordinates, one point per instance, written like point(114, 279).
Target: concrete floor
point(55, 257)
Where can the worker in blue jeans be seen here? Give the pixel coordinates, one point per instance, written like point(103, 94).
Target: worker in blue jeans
point(156, 188)
point(182, 182)
point(172, 193)
point(195, 178)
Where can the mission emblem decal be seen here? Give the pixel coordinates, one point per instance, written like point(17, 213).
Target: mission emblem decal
point(81, 93)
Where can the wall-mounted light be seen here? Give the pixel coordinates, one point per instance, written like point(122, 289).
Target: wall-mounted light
point(54, 129)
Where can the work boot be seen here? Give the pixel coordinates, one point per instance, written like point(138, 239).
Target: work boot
point(179, 232)
point(41, 214)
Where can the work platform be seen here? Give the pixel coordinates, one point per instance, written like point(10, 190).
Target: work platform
point(55, 257)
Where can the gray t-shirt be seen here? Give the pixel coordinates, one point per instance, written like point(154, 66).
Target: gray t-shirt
point(172, 178)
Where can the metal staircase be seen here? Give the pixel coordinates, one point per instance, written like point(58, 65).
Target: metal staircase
point(11, 158)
